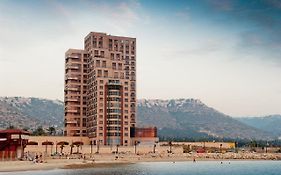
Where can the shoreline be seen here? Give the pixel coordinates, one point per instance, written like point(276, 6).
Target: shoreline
point(103, 161)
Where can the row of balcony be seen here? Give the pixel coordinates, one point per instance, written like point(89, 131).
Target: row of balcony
point(69, 66)
point(71, 77)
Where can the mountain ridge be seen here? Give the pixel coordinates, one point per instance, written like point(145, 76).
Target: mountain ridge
point(193, 115)
point(174, 118)
point(270, 123)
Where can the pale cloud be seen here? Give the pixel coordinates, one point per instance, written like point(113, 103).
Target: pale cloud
point(192, 58)
point(184, 13)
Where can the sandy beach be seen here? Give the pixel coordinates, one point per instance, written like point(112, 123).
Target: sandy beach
point(110, 160)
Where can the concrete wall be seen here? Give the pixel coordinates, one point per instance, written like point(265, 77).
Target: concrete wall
point(161, 147)
point(57, 139)
point(86, 149)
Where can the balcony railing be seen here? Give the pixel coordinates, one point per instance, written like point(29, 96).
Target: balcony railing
point(71, 122)
point(67, 77)
point(71, 99)
point(114, 82)
point(72, 89)
point(71, 67)
point(71, 110)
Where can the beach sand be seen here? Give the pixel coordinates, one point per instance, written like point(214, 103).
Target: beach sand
point(111, 160)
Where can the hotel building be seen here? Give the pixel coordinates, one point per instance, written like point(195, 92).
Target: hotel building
point(75, 91)
point(100, 89)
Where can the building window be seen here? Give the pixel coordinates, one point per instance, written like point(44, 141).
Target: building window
point(105, 73)
point(96, 52)
point(115, 74)
point(113, 66)
point(103, 64)
point(102, 54)
point(119, 66)
point(99, 73)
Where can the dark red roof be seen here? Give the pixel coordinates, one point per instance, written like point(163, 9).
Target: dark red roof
point(14, 131)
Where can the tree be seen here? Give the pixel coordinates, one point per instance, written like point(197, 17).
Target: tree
point(26, 128)
point(39, 131)
point(51, 130)
point(11, 127)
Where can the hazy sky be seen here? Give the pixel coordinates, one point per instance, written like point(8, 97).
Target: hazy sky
point(226, 53)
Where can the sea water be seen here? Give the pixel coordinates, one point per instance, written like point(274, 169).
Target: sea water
point(172, 168)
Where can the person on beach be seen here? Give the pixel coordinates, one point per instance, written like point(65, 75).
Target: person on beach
point(194, 159)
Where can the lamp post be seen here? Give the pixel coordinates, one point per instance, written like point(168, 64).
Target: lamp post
point(46, 149)
point(170, 145)
point(117, 146)
point(91, 143)
point(154, 146)
point(56, 147)
point(98, 146)
point(136, 142)
point(236, 147)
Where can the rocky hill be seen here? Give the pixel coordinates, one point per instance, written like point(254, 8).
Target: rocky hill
point(270, 123)
point(191, 117)
point(181, 118)
point(30, 112)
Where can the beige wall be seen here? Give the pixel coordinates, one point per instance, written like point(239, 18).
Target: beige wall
point(86, 148)
point(56, 139)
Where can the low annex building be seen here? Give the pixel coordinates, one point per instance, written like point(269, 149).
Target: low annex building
point(12, 143)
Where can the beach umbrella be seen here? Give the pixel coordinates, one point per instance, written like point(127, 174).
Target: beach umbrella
point(32, 143)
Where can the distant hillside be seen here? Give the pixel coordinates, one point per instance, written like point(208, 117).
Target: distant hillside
point(270, 123)
point(181, 118)
point(30, 112)
point(190, 117)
